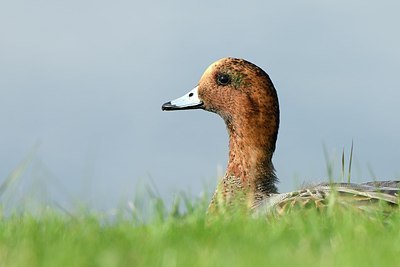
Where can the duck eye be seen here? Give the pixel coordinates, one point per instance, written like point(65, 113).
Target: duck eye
point(223, 79)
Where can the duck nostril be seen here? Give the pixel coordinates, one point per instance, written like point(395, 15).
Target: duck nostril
point(191, 94)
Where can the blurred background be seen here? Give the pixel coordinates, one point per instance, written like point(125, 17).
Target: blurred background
point(82, 83)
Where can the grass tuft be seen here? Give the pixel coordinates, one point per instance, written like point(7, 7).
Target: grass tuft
point(173, 237)
point(148, 232)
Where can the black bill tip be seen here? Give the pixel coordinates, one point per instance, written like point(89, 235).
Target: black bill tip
point(169, 106)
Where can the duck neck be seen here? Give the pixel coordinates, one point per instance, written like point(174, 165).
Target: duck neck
point(250, 154)
point(250, 174)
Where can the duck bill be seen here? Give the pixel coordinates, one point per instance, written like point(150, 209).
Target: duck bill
point(189, 101)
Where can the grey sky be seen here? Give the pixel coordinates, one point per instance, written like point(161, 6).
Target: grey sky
point(87, 79)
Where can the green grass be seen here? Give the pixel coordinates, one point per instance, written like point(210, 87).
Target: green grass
point(302, 238)
point(148, 234)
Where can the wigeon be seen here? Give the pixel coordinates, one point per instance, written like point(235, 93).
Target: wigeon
point(245, 97)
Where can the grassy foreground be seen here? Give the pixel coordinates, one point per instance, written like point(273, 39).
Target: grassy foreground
point(335, 238)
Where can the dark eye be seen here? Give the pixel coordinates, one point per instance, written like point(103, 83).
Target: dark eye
point(223, 79)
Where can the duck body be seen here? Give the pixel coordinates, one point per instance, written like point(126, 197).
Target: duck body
point(243, 95)
point(366, 197)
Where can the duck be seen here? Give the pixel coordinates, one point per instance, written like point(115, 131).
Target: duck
point(244, 96)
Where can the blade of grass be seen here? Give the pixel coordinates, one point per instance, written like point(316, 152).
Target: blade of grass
point(343, 165)
point(16, 174)
point(350, 161)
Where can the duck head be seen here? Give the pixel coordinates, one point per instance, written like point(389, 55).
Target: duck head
point(245, 97)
